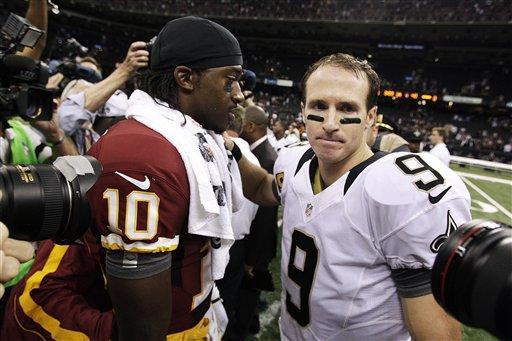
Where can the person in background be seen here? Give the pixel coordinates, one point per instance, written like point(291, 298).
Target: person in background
point(230, 285)
point(261, 243)
point(439, 148)
point(387, 139)
point(82, 101)
point(281, 138)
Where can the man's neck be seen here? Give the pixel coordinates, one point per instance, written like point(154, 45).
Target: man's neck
point(232, 133)
point(330, 172)
point(257, 141)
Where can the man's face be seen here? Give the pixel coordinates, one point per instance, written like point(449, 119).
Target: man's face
point(333, 93)
point(278, 128)
point(435, 138)
point(216, 95)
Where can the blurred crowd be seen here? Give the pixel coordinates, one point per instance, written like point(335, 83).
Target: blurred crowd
point(483, 83)
point(477, 136)
point(339, 10)
point(489, 84)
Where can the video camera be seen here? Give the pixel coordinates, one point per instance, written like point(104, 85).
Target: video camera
point(71, 70)
point(22, 80)
point(472, 276)
point(67, 53)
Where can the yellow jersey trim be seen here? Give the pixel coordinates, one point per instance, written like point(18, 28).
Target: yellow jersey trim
point(35, 311)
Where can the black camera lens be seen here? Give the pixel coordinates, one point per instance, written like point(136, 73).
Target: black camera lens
point(38, 202)
point(472, 276)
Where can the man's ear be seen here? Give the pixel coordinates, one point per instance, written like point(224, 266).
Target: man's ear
point(184, 77)
point(249, 127)
point(303, 112)
point(371, 116)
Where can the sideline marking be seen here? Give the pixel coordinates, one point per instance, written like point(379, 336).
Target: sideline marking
point(485, 178)
point(488, 198)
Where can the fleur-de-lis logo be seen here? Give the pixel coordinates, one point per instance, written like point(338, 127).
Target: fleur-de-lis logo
point(451, 226)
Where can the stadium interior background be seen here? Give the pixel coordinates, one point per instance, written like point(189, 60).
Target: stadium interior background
point(443, 63)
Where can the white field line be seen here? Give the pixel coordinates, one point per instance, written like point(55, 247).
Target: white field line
point(488, 198)
point(485, 178)
point(268, 316)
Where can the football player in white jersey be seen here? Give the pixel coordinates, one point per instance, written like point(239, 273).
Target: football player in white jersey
point(360, 230)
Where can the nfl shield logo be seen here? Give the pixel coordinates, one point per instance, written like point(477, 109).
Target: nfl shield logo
point(309, 209)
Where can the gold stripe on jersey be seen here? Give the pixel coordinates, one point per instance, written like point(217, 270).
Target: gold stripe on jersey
point(115, 242)
point(318, 184)
point(35, 311)
point(198, 332)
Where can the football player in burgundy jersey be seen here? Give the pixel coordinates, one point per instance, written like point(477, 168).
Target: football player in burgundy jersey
point(158, 274)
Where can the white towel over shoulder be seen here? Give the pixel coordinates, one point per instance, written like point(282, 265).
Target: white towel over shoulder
point(211, 175)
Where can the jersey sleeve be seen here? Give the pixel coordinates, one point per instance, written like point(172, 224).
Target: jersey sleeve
point(140, 202)
point(63, 296)
point(285, 166)
point(415, 203)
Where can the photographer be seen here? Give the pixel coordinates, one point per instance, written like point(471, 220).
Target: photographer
point(19, 142)
point(53, 133)
point(83, 101)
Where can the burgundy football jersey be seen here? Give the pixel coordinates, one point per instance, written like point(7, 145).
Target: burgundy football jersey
point(140, 204)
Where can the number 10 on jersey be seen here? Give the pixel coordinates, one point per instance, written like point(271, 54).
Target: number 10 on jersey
point(131, 230)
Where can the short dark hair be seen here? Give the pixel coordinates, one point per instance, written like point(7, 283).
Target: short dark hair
point(161, 85)
point(441, 131)
point(237, 124)
point(357, 66)
point(92, 60)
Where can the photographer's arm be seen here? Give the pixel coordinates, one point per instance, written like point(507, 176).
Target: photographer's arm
point(426, 320)
point(62, 144)
point(98, 94)
point(37, 14)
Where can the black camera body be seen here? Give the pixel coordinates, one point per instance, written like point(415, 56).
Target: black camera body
point(71, 70)
point(22, 80)
point(472, 276)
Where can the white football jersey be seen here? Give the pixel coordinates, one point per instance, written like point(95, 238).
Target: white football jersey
point(339, 246)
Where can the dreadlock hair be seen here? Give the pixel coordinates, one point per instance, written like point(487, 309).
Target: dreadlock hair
point(161, 85)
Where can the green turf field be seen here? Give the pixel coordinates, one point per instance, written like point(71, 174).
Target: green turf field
point(491, 194)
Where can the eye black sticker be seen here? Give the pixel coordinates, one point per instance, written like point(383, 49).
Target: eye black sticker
point(317, 118)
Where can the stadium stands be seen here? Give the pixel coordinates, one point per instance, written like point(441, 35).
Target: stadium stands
point(433, 47)
point(363, 10)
